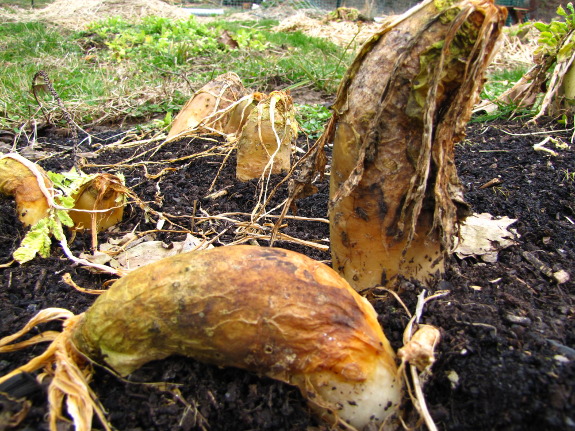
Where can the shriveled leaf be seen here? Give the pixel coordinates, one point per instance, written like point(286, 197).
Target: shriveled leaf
point(151, 251)
point(36, 241)
point(483, 236)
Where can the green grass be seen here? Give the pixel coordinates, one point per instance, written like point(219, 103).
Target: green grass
point(501, 81)
point(24, 49)
point(117, 71)
point(312, 119)
point(496, 85)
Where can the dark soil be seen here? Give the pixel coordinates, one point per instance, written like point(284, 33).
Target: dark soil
point(506, 360)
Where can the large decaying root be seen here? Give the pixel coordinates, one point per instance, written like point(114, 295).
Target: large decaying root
point(30, 186)
point(404, 102)
point(209, 109)
point(270, 311)
point(266, 140)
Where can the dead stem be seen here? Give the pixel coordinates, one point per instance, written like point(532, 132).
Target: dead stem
point(67, 278)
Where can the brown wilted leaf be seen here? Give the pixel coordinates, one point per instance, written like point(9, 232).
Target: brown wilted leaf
point(227, 40)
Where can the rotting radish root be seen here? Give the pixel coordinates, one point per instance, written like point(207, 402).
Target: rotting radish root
point(271, 311)
point(24, 180)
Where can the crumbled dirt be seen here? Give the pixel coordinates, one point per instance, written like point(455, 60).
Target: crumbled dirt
point(506, 360)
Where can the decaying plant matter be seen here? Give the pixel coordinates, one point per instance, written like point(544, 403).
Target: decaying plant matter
point(404, 102)
point(25, 184)
point(271, 311)
point(239, 112)
point(265, 141)
point(48, 201)
point(209, 108)
point(553, 72)
point(99, 203)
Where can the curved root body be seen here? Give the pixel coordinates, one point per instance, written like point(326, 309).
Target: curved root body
point(207, 110)
point(270, 311)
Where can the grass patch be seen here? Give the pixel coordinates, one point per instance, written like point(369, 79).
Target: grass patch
point(496, 85)
point(312, 119)
point(25, 49)
point(501, 81)
point(119, 71)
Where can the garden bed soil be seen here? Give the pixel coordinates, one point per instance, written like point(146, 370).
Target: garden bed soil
point(506, 358)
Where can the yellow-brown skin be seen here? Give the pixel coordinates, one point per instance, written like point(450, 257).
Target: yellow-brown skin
point(102, 192)
point(216, 95)
point(263, 138)
point(270, 311)
point(394, 190)
point(18, 181)
point(238, 116)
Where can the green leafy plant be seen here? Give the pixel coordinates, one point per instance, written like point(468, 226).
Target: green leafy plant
point(552, 35)
point(39, 238)
point(500, 81)
point(165, 42)
point(312, 119)
point(48, 201)
point(553, 73)
point(49, 221)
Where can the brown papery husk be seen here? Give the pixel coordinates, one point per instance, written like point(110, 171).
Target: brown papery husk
point(265, 142)
point(207, 109)
point(403, 104)
point(103, 192)
point(19, 181)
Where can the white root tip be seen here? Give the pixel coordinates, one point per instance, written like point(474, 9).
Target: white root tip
point(375, 400)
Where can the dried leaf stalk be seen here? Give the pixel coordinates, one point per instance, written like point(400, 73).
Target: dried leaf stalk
point(552, 74)
point(404, 102)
